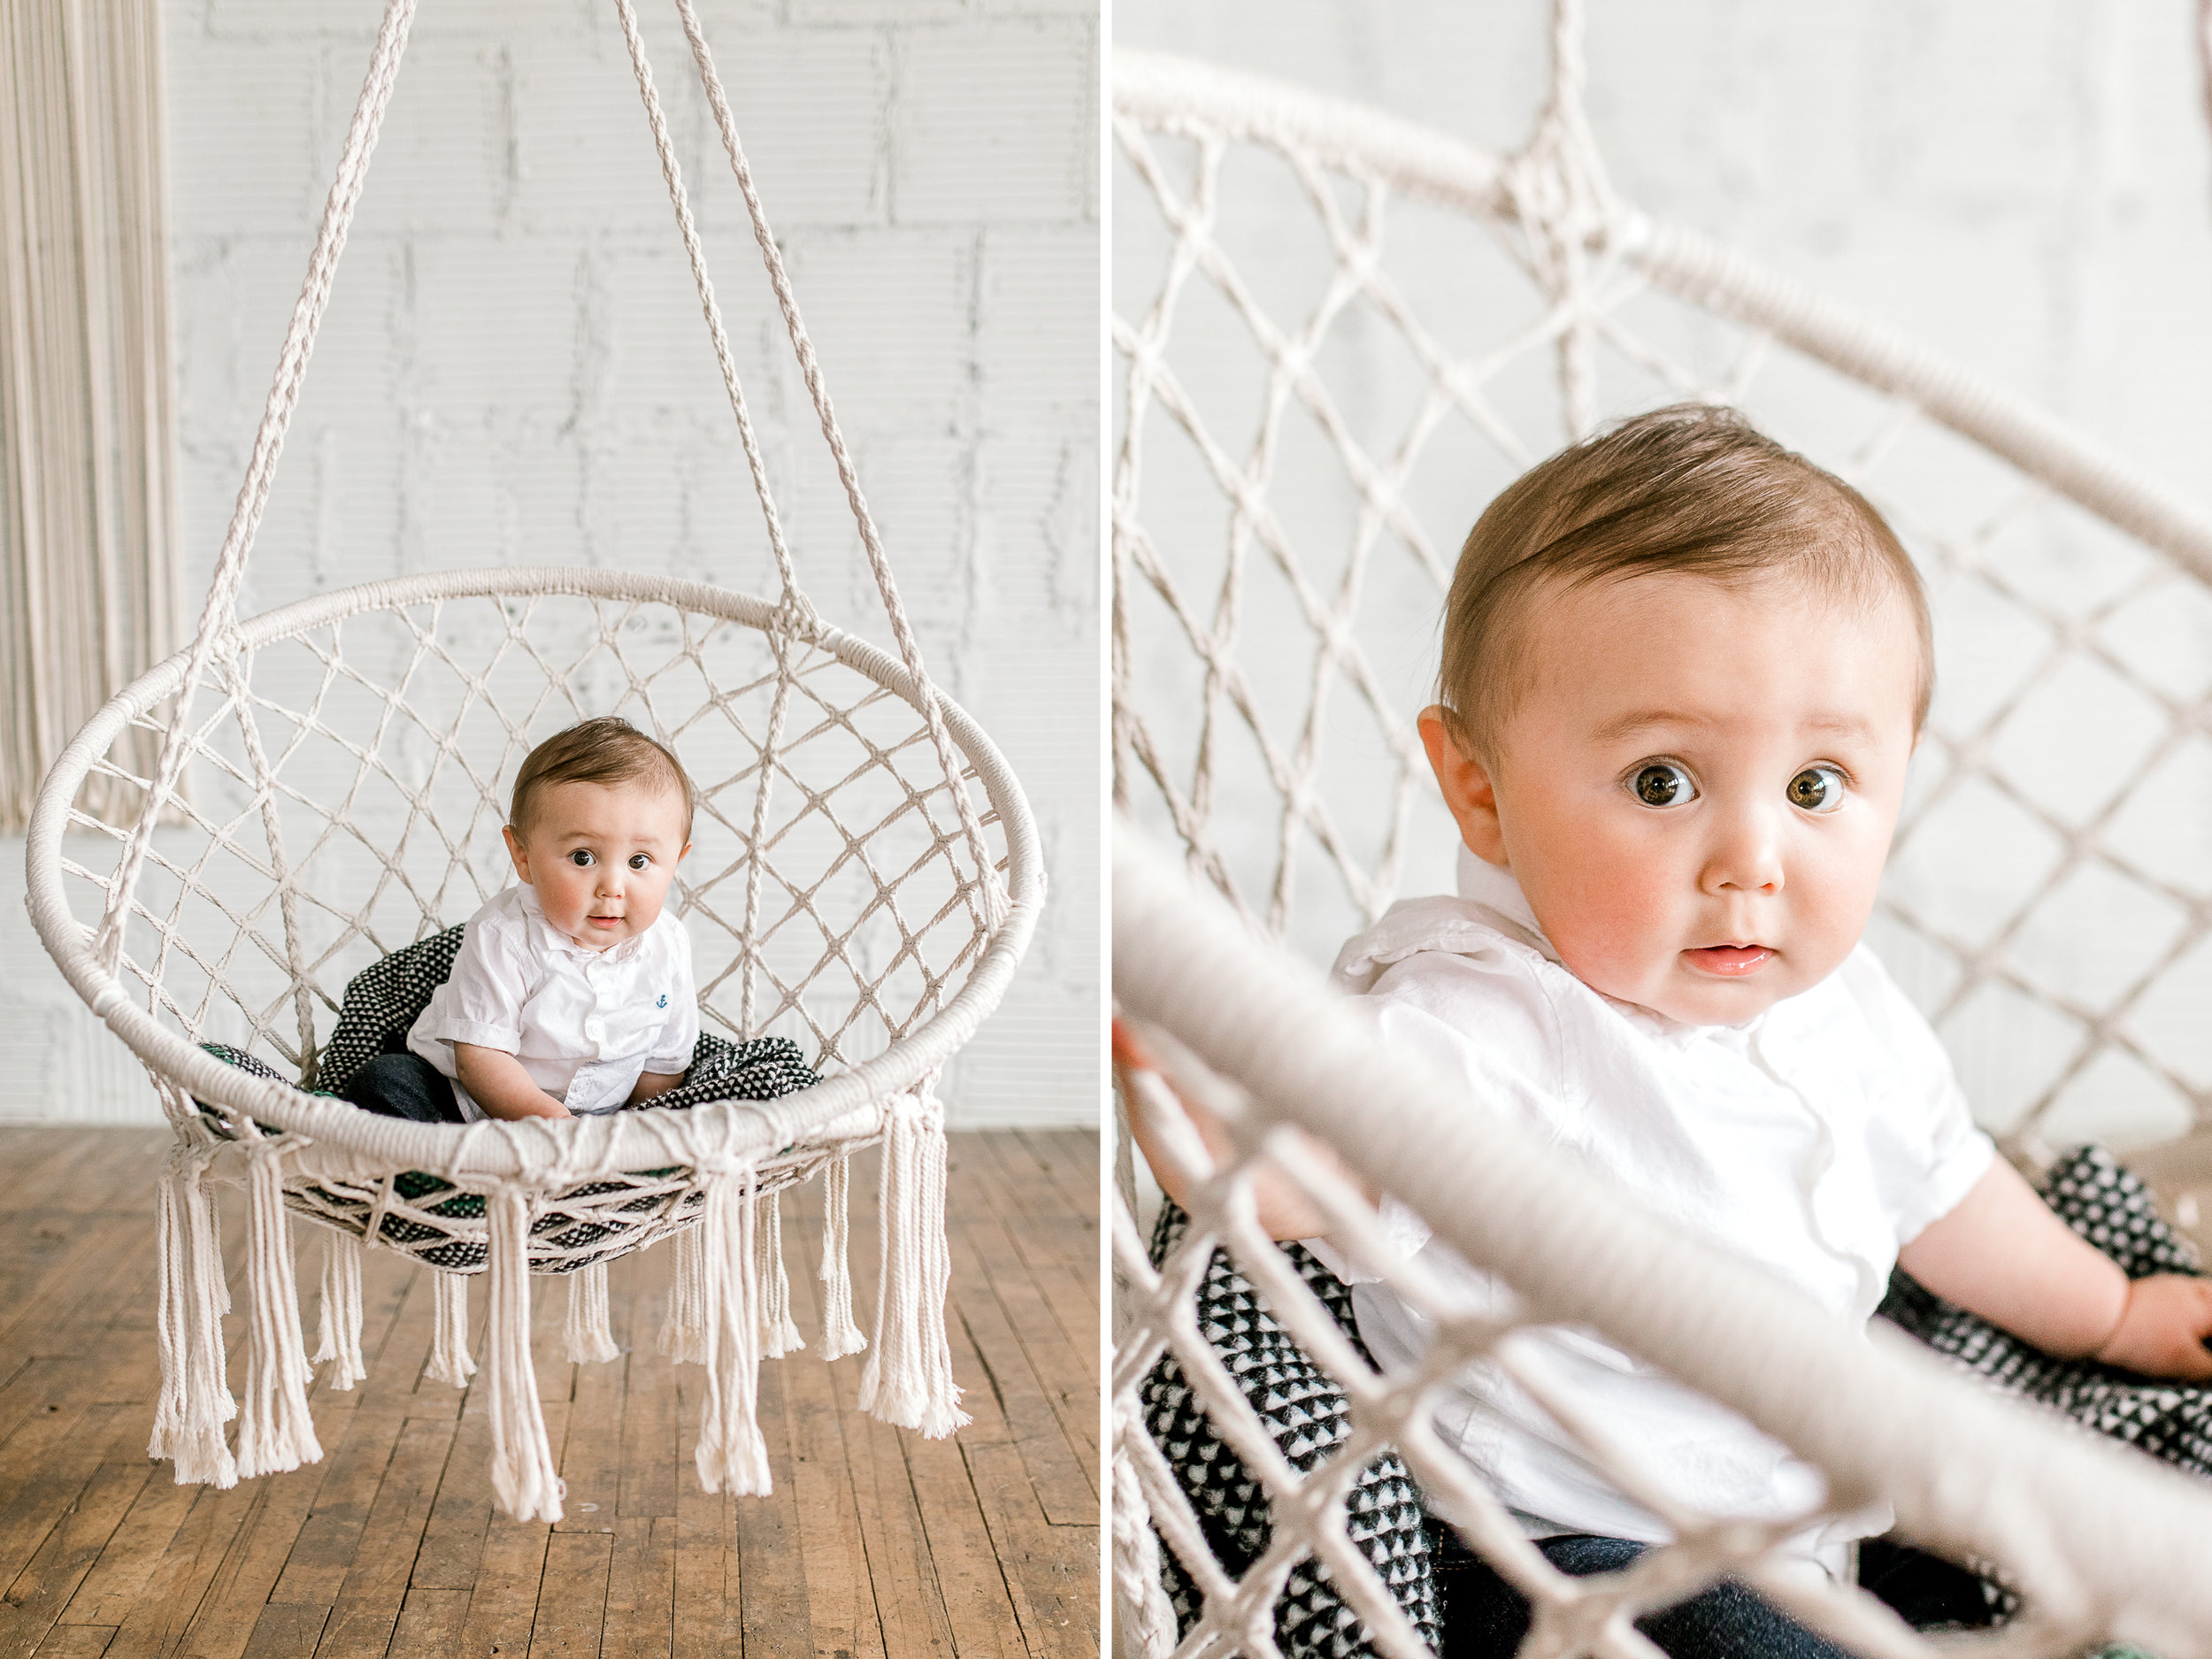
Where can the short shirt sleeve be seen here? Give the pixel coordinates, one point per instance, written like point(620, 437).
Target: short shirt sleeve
point(672, 1049)
point(1928, 1152)
point(481, 1001)
point(1485, 1024)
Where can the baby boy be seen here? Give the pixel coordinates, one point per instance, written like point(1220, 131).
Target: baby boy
point(1684, 671)
point(572, 991)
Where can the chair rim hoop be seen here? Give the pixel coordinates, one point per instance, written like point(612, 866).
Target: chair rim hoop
point(491, 1149)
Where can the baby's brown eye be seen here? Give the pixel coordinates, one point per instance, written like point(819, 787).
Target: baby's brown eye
point(1663, 783)
point(1817, 789)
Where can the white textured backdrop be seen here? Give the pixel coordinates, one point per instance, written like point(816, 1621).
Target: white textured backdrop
point(514, 371)
point(2025, 189)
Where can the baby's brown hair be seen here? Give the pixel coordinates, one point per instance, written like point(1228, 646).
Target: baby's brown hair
point(606, 751)
point(1692, 489)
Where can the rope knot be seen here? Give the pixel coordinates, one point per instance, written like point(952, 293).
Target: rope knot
point(718, 1165)
point(917, 1109)
point(796, 615)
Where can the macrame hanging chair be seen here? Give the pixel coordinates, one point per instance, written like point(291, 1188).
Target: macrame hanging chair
point(1339, 334)
point(344, 754)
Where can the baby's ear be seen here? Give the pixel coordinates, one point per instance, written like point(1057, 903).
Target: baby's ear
point(1465, 782)
point(517, 851)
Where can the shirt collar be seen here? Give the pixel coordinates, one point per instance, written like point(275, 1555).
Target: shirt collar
point(551, 938)
point(1494, 889)
point(1497, 890)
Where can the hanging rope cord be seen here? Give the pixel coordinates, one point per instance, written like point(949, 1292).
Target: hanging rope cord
point(810, 369)
point(1564, 204)
point(219, 620)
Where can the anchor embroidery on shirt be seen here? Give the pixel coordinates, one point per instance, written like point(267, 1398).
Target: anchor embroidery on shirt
point(664, 1002)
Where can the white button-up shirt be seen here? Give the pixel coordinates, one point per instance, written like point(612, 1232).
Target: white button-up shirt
point(1813, 1140)
point(584, 1023)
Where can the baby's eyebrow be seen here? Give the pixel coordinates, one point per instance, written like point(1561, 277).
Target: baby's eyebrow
point(1637, 720)
point(1645, 719)
point(1846, 725)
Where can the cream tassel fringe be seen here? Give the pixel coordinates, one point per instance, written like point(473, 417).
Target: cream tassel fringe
point(588, 1339)
point(195, 1398)
point(339, 1338)
point(732, 1456)
point(839, 1335)
point(683, 1335)
point(524, 1481)
point(450, 1360)
point(908, 1380)
point(276, 1431)
point(779, 1335)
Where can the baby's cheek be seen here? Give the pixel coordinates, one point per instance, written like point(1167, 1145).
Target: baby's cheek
point(1832, 915)
point(1615, 933)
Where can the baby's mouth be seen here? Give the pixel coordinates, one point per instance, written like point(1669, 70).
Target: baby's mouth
point(1730, 961)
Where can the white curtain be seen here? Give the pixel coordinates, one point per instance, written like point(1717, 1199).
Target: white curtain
point(88, 490)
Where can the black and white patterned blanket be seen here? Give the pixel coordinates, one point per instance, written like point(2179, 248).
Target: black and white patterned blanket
point(1306, 1411)
point(385, 999)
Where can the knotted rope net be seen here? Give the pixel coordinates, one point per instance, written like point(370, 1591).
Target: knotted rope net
point(864, 878)
point(1339, 334)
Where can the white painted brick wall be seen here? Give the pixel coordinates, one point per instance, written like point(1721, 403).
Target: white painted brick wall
point(514, 369)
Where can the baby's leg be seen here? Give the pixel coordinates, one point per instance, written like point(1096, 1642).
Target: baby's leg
point(1484, 1618)
point(404, 1086)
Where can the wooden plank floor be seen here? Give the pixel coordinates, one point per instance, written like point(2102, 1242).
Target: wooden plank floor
point(875, 1544)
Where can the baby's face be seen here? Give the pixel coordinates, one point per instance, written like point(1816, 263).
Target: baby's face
point(1697, 790)
point(601, 857)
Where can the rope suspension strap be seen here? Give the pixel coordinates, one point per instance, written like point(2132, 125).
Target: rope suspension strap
point(803, 621)
point(1567, 211)
point(994, 901)
point(220, 617)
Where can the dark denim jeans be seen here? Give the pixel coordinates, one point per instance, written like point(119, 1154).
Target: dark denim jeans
point(404, 1086)
point(1486, 1618)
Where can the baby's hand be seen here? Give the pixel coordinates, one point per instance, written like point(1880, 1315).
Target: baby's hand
point(2163, 1328)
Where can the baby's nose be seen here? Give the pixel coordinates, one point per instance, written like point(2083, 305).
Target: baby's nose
point(1747, 857)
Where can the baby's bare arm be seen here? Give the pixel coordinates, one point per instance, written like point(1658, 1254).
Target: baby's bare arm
point(1285, 1212)
point(2003, 1255)
point(496, 1081)
point(650, 1084)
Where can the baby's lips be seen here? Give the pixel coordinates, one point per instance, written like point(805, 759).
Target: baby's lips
point(1729, 958)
